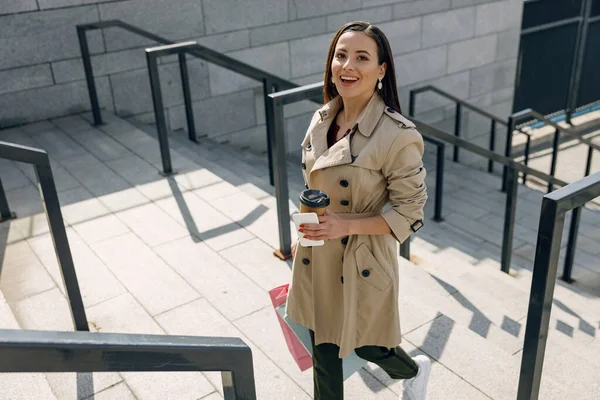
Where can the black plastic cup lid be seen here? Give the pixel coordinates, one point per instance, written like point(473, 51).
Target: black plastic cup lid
point(314, 198)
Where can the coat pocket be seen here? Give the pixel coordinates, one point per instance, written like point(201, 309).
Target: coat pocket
point(369, 269)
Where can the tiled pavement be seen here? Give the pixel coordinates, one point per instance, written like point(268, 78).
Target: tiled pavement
point(192, 254)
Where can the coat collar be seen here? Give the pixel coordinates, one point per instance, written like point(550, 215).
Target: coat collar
point(341, 153)
point(366, 121)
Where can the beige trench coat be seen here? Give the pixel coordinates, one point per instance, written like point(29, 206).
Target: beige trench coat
point(347, 290)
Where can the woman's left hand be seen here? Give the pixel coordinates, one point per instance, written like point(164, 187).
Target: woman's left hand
point(330, 226)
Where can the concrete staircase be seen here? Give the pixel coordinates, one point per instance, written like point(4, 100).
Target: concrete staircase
point(456, 305)
point(460, 308)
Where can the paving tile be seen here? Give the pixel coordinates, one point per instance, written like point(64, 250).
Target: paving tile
point(25, 201)
point(204, 222)
point(96, 281)
point(19, 386)
point(58, 145)
point(154, 284)
point(12, 177)
point(100, 229)
point(123, 200)
point(10, 233)
point(79, 205)
point(65, 385)
point(443, 382)
point(197, 178)
point(463, 352)
point(214, 278)
point(122, 314)
point(253, 215)
point(120, 392)
point(62, 178)
point(94, 175)
point(213, 396)
point(256, 260)
point(47, 311)
point(102, 146)
point(144, 177)
point(168, 385)
point(216, 190)
point(152, 224)
point(199, 318)
point(22, 273)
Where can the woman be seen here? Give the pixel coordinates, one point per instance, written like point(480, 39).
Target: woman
point(362, 152)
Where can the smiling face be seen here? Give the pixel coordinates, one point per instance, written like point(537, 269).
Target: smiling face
point(355, 66)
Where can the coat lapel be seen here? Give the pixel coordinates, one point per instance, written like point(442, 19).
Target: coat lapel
point(341, 152)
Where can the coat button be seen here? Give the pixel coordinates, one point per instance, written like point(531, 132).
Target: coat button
point(308, 146)
point(306, 186)
point(344, 202)
point(342, 280)
point(345, 240)
point(305, 261)
point(344, 183)
point(366, 273)
point(303, 165)
point(391, 110)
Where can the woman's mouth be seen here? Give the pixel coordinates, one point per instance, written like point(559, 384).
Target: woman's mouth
point(348, 80)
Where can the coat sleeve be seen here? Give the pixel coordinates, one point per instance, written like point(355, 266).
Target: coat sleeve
point(405, 175)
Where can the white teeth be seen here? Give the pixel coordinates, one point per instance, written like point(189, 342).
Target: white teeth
point(349, 78)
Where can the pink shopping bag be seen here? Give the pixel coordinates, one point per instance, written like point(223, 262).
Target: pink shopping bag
point(297, 349)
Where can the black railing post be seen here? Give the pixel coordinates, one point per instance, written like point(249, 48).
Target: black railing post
point(187, 97)
point(89, 74)
point(268, 88)
point(275, 108)
point(405, 249)
point(572, 245)
point(492, 145)
point(540, 299)
point(526, 161)
point(439, 182)
point(457, 121)
point(159, 113)
point(555, 145)
point(588, 165)
point(509, 218)
point(5, 213)
point(411, 103)
point(61, 244)
point(510, 127)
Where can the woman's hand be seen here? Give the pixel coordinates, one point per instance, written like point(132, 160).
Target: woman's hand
point(330, 226)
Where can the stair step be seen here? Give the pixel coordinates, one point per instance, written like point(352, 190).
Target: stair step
point(20, 386)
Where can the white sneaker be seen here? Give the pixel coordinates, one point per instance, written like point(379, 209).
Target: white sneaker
point(416, 388)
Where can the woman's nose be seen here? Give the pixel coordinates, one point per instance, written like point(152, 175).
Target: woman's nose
point(349, 64)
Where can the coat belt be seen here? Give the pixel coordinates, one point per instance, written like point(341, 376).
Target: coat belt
point(360, 215)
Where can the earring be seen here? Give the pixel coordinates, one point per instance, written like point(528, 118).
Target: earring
point(379, 85)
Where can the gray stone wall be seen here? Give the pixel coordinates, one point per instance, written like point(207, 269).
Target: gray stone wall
point(467, 47)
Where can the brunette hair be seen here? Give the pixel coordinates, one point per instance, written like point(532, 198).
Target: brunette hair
point(389, 91)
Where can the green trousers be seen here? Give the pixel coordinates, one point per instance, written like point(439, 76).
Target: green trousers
point(327, 366)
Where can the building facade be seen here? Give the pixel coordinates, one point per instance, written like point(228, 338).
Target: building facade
point(466, 47)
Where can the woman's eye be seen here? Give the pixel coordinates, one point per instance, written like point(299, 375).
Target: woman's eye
point(363, 58)
point(340, 55)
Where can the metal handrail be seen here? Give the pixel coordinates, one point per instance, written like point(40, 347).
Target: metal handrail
point(271, 83)
point(458, 118)
point(275, 103)
point(512, 126)
point(529, 113)
point(554, 207)
point(275, 117)
point(48, 352)
point(41, 163)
